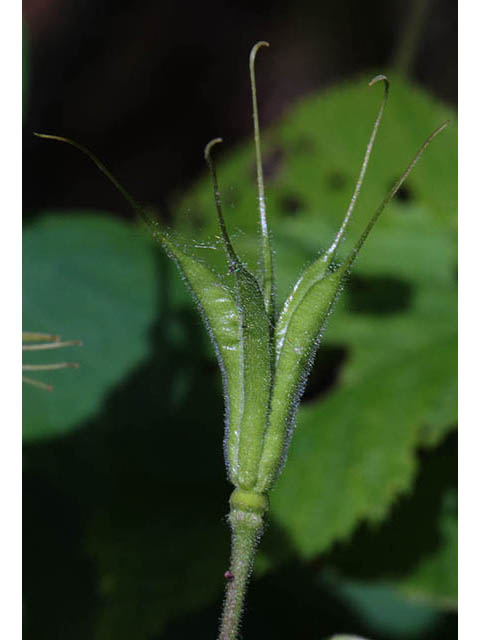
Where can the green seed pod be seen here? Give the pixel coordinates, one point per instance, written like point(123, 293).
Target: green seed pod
point(239, 328)
point(298, 331)
point(300, 325)
point(219, 310)
point(245, 445)
point(245, 449)
point(296, 342)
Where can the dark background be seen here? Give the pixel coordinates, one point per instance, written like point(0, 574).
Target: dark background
point(146, 84)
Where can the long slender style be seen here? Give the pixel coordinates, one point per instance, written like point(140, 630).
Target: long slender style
point(133, 203)
point(392, 194)
point(232, 256)
point(334, 246)
point(268, 279)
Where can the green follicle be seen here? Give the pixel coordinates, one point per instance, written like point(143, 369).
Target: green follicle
point(245, 444)
point(298, 326)
point(304, 316)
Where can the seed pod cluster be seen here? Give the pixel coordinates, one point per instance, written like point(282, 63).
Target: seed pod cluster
point(264, 356)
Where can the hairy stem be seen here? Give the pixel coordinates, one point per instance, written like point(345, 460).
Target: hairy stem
point(246, 520)
point(243, 550)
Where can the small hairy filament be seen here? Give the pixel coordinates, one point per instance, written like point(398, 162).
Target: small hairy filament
point(232, 256)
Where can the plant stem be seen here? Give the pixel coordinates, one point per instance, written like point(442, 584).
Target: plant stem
point(247, 528)
point(407, 48)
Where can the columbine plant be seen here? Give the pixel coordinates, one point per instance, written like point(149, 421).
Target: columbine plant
point(264, 354)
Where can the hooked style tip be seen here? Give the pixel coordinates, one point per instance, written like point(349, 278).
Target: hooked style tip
point(47, 136)
point(209, 146)
point(255, 48)
point(379, 78)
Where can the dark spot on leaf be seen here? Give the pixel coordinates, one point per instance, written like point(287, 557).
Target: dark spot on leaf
point(336, 180)
point(325, 371)
point(404, 194)
point(380, 295)
point(303, 145)
point(291, 204)
point(273, 164)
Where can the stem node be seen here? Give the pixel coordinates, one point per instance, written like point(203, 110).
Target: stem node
point(246, 520)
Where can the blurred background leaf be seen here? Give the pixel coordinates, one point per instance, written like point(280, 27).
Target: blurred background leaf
point(92, 278)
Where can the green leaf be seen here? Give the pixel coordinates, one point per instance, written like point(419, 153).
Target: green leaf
point(424, 571)
point(354, 452)
point(91, 278)
point(385, 613)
